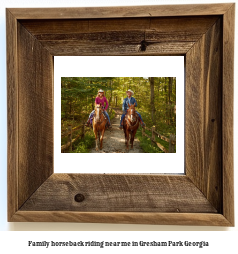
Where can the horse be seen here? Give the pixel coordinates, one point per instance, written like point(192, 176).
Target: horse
point(99, 125)
point(130, 125)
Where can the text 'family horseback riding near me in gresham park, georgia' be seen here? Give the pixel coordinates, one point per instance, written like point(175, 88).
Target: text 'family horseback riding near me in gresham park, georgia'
point(102, 244)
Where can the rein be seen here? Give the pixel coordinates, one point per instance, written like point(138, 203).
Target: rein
point(131, 127)
point(100, 113)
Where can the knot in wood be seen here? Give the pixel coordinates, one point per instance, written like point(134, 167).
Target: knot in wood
point(143, 45)
point(79, 198)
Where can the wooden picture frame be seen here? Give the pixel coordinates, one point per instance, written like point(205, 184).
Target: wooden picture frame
point(204, 34)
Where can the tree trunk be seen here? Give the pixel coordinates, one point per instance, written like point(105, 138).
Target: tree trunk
point(175, 104)
point(158, 98)
point(70, 107)
point(152, 99)
point(169, 101)
point(87, 105)
point(73, 110)
point(138, 95)
point(93, 103)
point(110, 102)
point(166, 101)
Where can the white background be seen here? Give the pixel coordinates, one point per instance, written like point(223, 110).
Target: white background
point(220, 241)
point(120, 66)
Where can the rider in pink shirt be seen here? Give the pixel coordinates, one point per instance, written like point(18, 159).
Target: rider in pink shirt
point(100, 99)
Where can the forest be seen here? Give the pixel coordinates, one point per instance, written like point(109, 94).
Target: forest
point(155, 96)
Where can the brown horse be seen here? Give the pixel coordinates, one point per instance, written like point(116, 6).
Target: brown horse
point(130, 125)
point(99, 125)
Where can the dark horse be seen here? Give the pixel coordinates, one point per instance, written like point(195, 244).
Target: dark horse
point(99, 125)
point(130, 125)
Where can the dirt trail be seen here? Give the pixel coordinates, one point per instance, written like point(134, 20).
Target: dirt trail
point(114, 140)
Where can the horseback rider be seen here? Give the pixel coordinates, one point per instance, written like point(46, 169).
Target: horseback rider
point(100, 99)
point(129, 100)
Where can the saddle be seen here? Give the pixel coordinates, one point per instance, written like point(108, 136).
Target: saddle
point(107, 123)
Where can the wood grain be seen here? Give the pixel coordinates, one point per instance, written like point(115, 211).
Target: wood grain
point(189, 26)
point(192, 219)
point(75, 48)
point(114, 193)
point(121, 11)
point(119, 36)
point(227, 113)
point(204, 115)
point(35, 114)
point(12, 116)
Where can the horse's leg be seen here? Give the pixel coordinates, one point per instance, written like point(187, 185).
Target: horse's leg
point(101, 138)
point(96, 137)
point(125, 132)
point(125, 137)
point(127, 140)
point(132, 138)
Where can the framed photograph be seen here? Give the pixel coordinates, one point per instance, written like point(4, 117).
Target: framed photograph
point(74, 103)
point(202, 195)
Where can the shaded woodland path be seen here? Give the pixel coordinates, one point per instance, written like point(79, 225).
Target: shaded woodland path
point(114, 140)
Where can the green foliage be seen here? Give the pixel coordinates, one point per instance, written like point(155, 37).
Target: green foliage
point(147, 145)
point(85, 144)
point(112, 114)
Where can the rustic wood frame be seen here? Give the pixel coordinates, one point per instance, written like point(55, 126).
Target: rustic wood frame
point(204, 34)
